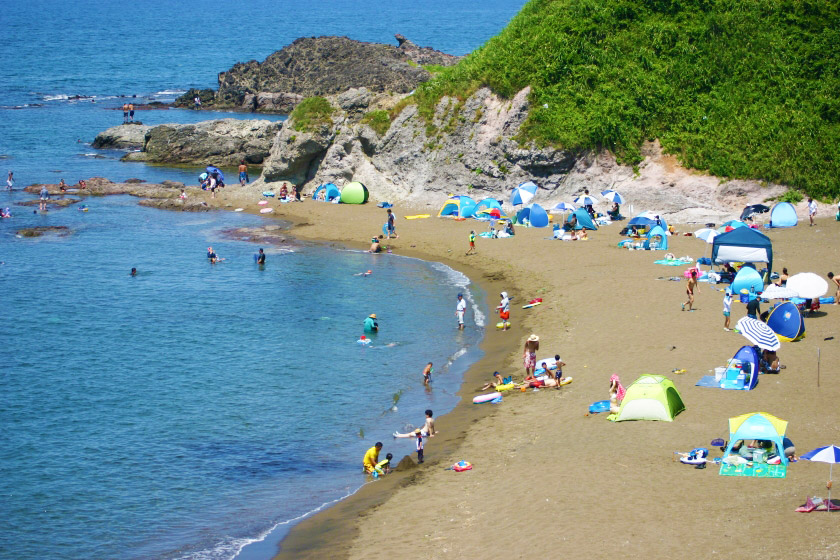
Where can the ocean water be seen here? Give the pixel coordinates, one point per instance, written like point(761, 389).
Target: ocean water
point(193, 409)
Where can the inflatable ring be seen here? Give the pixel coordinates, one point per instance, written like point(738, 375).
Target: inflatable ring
point(462, 466)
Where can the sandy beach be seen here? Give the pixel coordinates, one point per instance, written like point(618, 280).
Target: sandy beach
point(548, 478)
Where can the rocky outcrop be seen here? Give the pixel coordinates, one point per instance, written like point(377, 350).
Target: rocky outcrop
point(39, 231)
point(222, 142)
point(470, 148)
point(99, 186)
point(319, 66)
point(122, 137)
point(187, 205)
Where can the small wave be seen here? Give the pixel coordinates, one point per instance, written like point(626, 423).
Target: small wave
point(59, 97)
point(170, 92)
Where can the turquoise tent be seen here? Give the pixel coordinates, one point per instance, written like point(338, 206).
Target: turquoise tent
point(783, 215)
point(786, 321)
point(656, 239)
point(458, 207)
point(331, 193)
point(534, 214)
point(582, 220)
point(758, 426)
point(488, 205)
point(747, 279)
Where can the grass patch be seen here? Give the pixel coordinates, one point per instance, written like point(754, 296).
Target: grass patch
point(379, 121)
point(741, 89)
point(312, 113)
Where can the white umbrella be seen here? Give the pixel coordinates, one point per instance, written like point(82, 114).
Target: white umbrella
point(563, 207)
point(706, 234)
point(778, 292)
point(758, 333)
point(585, 200)
point(808, 285)
point(613, 196)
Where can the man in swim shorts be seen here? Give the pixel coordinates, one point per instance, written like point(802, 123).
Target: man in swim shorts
point(460, 309)
point(44, 197)
point(427, 374)
point(371, 457)
point(471, 250)
point(558, 373)
point(392, 226)
point(125, 113)
point(530, 354)
point(243, 173)
point(131, 112)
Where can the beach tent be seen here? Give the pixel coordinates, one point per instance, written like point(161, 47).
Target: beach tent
point(783, 215)
point(584, 220)
point(787, 322)
point(457, 206)
point(757, 425)
point(354, 193)
point(486, 206)
point(746, 279)
point(656, 239)
point(743, 244)
point(523, 193)
point(331, 193)
point(751, 360)
point(534, 214)
point(650, 397)
point(732, 224)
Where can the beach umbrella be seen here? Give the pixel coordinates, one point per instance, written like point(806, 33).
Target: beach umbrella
point(523, 193)
point(585, 200)
point(758, 333)
point(706, 234)
point(779, 292)
point(216, 171)
point(754, 209)
point(808, 285)
point(494, 212)
point(613, 196)
point(563, 207)
point(829, 454)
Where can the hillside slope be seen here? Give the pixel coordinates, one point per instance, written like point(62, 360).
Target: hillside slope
point(742, 89)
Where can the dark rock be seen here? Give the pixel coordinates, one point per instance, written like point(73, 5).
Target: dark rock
point(207, 96)
point(51, 203)
point(425, 55)
point(176, 204)
point(135, 180)
point(60, 231)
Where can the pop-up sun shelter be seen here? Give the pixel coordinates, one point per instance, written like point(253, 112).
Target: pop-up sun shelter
point(747, 279)
point(486, 205)
point(354, 193)
point(534, 214)
point(650, 397)
point(755, 426)
point(582, 220)
point(782, 215)
point(329, 190)
point(743, 244)
point(787, 322)
point(656, 239)
point(749, 361)
point(458, 207)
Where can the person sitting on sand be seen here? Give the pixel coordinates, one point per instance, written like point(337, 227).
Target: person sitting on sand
point(375, 247)
point(496, 381)
point(617, 392)
point(371, 457)
point(770, 362)
point(284, 192)
point(615, 212)
point(571, 223)
point(428, 429)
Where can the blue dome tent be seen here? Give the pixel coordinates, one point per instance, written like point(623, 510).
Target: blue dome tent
point(747, 279)
point(458, 207)
point(656, 239)
point(330, 192)
point(582, 220)
point(783, 215)
point(534, 214)
point(787, 322)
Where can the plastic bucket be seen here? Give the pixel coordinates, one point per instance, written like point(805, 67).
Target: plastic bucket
point(744, 298)
point(719, 373)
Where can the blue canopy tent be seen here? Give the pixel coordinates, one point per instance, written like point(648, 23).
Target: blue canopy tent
point(743, 244)
point(485, 206)
point(582, 220)
point(213, 170)
point(786, 321)
point(457, 206)
point(523, 193)
point(750, 362)
point(656, 239)
point(329, 190)
point(534, 214)
point(747, 279)
point(783, 215)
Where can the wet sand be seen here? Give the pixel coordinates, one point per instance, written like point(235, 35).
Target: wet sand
point(549, 480)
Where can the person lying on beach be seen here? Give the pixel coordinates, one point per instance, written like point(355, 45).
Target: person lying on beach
point(537, 383)
point(496, 381)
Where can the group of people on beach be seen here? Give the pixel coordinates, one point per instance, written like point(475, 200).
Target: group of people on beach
point(373, 466)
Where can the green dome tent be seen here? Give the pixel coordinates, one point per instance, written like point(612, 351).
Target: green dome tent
point(650, 397)
point(354, 193)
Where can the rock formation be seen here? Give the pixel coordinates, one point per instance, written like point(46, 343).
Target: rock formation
point(319, 66)
point(122, 137)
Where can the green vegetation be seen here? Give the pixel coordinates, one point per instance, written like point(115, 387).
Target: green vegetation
point(434, 68)
point(743, 89)
point(379, 121)
point(794, 197)
point(312, 113)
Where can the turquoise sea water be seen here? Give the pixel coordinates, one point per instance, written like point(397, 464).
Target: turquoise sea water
point(188, 411)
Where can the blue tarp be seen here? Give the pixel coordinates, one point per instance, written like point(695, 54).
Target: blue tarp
point(783, 215)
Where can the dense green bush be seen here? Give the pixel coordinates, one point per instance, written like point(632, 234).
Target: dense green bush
point(379, 121)
point(741, 88)
point(311, 113)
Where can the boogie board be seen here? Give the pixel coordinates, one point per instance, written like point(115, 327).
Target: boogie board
point(530, 305)
point(417, 217)
point(502, 325)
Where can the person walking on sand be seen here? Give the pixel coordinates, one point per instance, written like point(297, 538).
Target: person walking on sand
point(460, 309)
point(504, 310)
point(727, 308)
point(10, 181)
point(812, 209)
point(243, 173)
point(471, 250)
point(689, 290)
point(529, 352)
point(392, 226)
point(427, 374)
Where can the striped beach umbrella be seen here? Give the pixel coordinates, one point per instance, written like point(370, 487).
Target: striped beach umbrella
point(563, 207)
point(523, 193)
point(829, 454)
point(585, 200)
point(758, 333)
point(612, 196)
point(706, 234)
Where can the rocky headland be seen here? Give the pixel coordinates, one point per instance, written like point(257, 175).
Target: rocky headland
point(319, 66)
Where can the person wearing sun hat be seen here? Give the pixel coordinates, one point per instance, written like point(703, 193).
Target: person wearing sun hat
point(460, 309)
point(370, 323)
point(530, 354)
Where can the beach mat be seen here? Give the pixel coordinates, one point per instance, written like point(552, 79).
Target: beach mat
point(672, 262)
point(708, 381)
point(758, 470)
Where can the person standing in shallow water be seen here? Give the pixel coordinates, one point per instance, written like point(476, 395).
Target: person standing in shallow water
point(460, 309)
point(243, 173)
point(10, 181)
point(261, 257)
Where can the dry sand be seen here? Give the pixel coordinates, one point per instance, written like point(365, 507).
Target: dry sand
point(551, 481)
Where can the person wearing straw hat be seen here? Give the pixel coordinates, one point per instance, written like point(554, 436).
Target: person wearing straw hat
point(371, 325)
point(530, 354)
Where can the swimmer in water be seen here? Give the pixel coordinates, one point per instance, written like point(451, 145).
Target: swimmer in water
point(134, 272)
point(211, 255)
point(368, 273)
